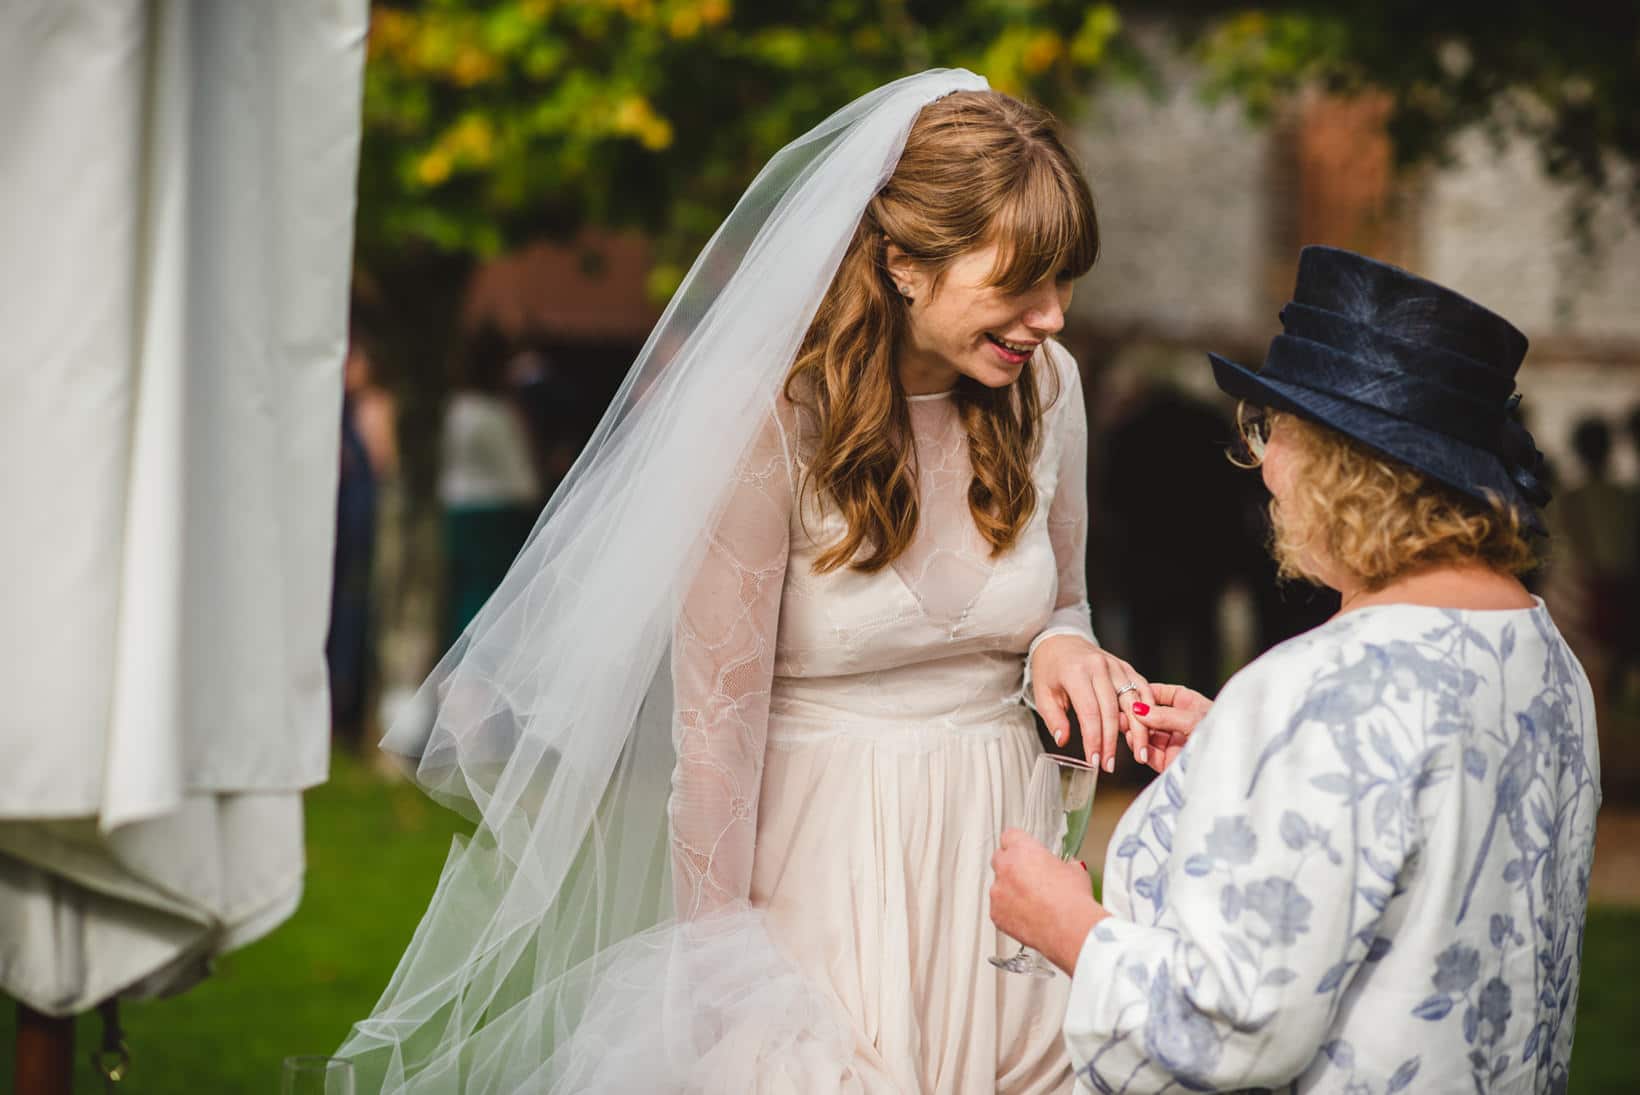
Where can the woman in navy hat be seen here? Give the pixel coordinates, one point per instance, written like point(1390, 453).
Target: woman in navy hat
point(1365, 867)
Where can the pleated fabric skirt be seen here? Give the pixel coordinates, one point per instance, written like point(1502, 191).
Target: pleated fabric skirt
point(873, 867)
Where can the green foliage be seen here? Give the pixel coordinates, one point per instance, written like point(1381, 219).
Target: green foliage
point(491, 122)
point(1565, 75)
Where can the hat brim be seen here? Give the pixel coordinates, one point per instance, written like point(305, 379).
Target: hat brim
point(1456, 464)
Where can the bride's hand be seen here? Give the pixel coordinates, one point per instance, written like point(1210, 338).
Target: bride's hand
point(1171, 721)
point(1070, 673)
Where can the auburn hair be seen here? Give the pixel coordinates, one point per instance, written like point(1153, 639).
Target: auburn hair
point(979, 168)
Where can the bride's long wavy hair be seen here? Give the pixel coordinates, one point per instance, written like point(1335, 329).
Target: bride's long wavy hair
point(979, 167)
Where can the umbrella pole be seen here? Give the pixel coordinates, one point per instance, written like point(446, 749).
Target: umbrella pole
point(45, 1053)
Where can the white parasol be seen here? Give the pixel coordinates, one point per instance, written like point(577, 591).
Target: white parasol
point(176, 208)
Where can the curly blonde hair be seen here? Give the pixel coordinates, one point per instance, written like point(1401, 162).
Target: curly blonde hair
point(978, 167)
point(1375, 517)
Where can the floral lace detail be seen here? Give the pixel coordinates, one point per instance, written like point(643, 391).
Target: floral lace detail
point(722, 664)
point(932, 645)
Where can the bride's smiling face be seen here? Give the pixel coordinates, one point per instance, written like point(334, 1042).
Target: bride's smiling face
point(962, 324)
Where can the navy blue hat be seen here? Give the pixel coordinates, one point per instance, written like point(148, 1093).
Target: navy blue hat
point(1408, 368)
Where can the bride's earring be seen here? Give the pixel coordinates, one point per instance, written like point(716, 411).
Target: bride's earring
point(905, 291)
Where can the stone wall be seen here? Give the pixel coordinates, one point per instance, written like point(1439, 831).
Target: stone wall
point(1495, 227)
point(1181, 192)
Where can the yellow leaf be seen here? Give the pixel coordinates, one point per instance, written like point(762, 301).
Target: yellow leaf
point(1043, 49)
point(656, 135)
point(1100, 26)
point(435, 46)
point(389, 31)
point(473, 140)
point(632, 114)
point(433, 168)
point(473, 66)
point(685, 23)
point(1003, 61)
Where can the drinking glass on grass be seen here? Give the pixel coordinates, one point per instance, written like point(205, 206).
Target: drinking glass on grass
point(1058, 806)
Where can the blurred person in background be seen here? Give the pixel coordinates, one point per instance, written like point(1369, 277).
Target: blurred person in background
point(368, 454)
point(373, 409)
point(1626, 653)
point(548, 403)
point(1169, 449)
point(1600, 521)
point(1365, 867)
point(487, 481)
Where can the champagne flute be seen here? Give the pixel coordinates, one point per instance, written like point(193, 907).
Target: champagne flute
point(1058, 807)
point(310, 1075)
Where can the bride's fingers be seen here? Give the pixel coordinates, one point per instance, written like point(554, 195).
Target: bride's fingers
point(1117, 677)
point(1144, 694)
point(1051, 706)
point(1121, 675)
point(1109, 729)
point(1086, 705)
point(1137, 737)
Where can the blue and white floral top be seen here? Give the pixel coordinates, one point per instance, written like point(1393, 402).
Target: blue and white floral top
point(1367, 872)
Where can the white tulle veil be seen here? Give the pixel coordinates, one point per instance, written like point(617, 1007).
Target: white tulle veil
point(547, 960)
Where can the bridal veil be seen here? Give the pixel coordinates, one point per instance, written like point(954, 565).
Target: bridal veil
point(548, 959)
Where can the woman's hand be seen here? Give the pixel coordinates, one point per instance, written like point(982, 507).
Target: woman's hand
point(1171, 720)
point(1068, 673)
point(1042, 901)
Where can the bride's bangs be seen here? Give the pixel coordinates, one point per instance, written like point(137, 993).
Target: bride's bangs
point(1044, 226)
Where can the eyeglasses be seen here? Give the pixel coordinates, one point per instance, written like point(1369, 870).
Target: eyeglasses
point(1254, 424)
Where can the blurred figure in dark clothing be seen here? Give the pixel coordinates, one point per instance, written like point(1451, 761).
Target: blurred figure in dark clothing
point(1599, 520)
point(549, 404)
point(348, 646)
point(1167, 457)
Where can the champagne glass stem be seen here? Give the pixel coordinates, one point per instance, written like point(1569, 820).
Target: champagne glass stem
point(1026, 961)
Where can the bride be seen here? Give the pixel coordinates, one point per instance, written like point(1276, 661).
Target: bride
point(743, 724)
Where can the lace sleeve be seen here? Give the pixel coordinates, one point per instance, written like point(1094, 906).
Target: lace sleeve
point(722, 664)
point(1067, 518)
point(1068, 510)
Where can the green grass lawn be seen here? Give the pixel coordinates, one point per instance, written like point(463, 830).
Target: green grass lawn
point(374, 852)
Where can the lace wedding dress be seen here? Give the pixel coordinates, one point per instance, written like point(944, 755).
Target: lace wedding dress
point(850, 746)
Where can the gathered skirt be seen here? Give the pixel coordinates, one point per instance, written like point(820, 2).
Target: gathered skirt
point(873, 867)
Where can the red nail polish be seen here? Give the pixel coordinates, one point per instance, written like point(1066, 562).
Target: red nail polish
point(1083, 864)
point(1141, 708)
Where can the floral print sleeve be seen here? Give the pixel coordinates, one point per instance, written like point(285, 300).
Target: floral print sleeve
point(1309, 899)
